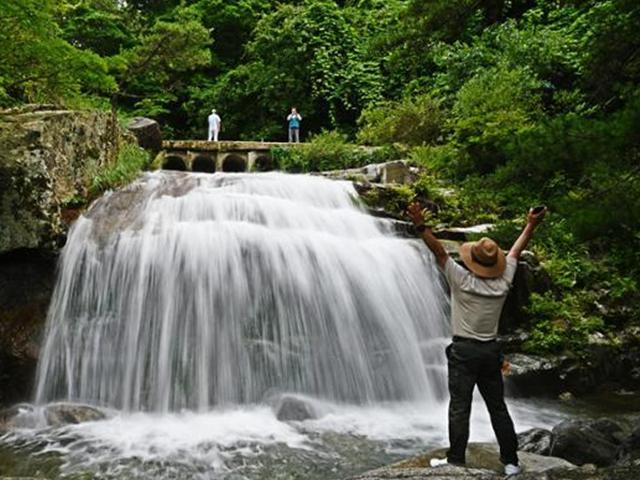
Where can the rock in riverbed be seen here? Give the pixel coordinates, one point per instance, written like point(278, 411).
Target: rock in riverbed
point(70, 413)
point(55, 415)
point(482, 461)
point(482, 464)
point(294, 408)
point(583, 442)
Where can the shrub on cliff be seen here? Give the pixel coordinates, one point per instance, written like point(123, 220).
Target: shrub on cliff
point(131, 161)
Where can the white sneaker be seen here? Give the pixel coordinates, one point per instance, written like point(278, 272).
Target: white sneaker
point(438, 462)
point(511, 469)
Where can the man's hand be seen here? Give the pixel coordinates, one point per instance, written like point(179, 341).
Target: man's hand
point(415, 212)
point(534, 219)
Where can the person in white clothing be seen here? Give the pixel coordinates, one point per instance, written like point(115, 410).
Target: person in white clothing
point(215, 123)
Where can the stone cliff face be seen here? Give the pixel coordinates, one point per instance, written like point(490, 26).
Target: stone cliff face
point(48, 159)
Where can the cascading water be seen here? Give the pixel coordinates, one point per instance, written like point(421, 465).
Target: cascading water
point(186, 303)
point(191, 291)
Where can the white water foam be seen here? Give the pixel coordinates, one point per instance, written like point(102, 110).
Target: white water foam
point(189, 291)
point(220, 442)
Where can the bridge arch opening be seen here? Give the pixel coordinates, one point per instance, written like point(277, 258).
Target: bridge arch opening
point(203, 163)
point(174, 162)
point(234, 163)
point(264, 163)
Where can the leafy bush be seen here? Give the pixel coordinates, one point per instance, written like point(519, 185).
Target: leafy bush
point(329, 150)
point(412, 121)
point(562, 323)
point(490, 108)
point(131, 160)
point(393, 199)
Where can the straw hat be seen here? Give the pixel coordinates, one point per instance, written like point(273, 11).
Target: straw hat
point(484, 258)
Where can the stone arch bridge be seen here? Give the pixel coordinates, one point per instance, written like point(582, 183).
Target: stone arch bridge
point(205, 156)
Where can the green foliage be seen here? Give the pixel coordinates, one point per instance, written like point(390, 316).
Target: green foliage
point(329, 151)
point(307, 55)
point(412, 121)
point(503, 105)
point(394, 199)
point(151, 71)
point(131, 161)
point(490, 108)
point(562, 322)
point(38, 65)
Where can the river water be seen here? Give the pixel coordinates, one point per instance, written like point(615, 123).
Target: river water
point(188, 304)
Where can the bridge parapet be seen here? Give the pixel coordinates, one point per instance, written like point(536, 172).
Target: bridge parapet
point(226, 156)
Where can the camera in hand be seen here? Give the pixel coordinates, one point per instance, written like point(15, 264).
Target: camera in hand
point(537, 210)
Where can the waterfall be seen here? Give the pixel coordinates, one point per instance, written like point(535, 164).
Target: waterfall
point(188, 291)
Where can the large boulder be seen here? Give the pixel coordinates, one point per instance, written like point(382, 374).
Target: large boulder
point(582, 442)
point(482, 464)
point(292, 408)
point(48, 158)
point(147, 132)
point(55, 415)
point(534, 375)
point(70, 413)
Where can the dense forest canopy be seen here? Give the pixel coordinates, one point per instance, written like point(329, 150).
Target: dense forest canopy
point(516, 101)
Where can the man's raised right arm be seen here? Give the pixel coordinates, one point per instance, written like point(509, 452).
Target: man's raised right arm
point(417, 217)
point(533, 219)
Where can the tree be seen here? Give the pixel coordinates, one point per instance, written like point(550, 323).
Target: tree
point(37, 64)
point(308, 55)
point(152, 73)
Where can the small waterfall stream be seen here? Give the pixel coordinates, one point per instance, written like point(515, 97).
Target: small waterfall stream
point(189, 291)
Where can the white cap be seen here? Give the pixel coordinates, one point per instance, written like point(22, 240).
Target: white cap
point(213, 111)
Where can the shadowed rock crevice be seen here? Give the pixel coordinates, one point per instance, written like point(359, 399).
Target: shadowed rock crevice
point(27, 279)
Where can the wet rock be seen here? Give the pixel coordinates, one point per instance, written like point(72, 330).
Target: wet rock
point(536, 440)
point(11, 417)
point(482, 463)
point(71, 413)
point(147, 132)
point(294, 408)
point(630, 448)
point(534, 375)
point(602, 368)
point(463, 234)
point(385, 173)
point(582, 442)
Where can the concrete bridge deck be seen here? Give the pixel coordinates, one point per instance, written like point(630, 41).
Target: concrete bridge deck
point(224, 156)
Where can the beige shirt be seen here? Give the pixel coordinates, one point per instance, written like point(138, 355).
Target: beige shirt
point(476, 303)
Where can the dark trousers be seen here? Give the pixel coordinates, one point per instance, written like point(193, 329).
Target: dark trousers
point(474, 363)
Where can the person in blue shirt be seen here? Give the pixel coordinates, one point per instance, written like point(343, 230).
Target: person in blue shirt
point(294, 119)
